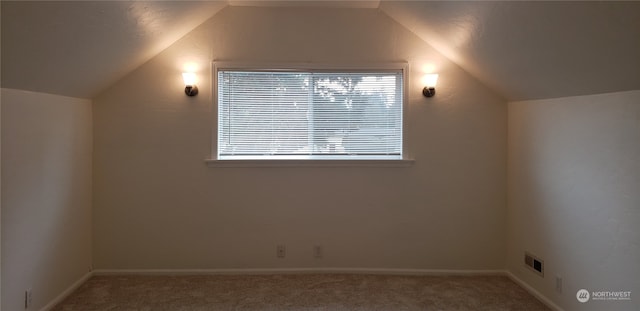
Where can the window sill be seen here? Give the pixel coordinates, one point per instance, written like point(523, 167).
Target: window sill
point(309, 163)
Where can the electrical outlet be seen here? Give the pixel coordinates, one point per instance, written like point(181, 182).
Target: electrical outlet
point(317, 251)
point(281, 251)
point(558, 284)
point(28, 298)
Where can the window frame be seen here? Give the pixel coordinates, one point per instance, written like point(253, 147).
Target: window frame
point(402, 67)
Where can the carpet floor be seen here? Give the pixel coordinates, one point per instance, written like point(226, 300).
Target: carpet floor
point(299, 292)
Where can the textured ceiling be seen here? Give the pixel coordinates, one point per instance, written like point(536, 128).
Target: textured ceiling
point(78, 48)
point(370, 4)
point(521, 49)
point(532, 49)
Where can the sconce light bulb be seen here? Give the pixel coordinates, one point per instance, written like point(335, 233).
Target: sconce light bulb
point(430, 80)
point(189, 78)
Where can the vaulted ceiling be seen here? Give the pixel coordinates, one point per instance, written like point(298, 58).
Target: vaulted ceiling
point(533, 49)
point(79, 48)
point(521, 49)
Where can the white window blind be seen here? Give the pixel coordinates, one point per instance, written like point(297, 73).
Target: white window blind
point(309, 115)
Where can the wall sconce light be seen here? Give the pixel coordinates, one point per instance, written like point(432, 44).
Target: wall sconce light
point(429, 81)
point(190, 83)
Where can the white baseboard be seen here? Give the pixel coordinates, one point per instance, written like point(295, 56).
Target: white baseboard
point(533, 292)
point(67, 292)
point(295, 271)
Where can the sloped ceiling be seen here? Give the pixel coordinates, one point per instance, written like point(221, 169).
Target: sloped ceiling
point(532, 49)
point(521, 49)
point(78, 48)
point(362, 4)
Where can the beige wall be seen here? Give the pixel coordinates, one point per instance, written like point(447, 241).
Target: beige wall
point(157, 205)
point(574, 195)
point(46, 195)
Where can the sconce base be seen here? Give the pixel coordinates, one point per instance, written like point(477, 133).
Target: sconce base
point(191, 90)
point(429, 91)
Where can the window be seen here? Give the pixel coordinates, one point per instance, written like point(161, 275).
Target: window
point(309, 114)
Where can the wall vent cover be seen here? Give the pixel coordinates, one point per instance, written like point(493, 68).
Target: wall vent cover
point(534, 263)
